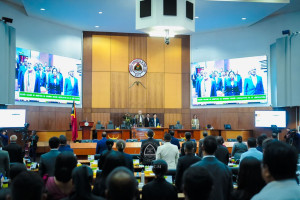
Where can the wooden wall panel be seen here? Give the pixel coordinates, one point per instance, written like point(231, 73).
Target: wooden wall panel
point(101, 57)
point(119, 90)
point(101, 90)
point(246, 120)
point(137, 48)
point(172, 118)
point(186, 120)
point(62, 120)
point(185, 93)
point(137, 93)
point(213, 118)
point(173, 56)
point(47, 120)
point(32, 117)
point(229, 118)
point(155, 54)
point(87, 81)
point(173, 91)
point(119, 54)
point(155, 90)
point(102, 117)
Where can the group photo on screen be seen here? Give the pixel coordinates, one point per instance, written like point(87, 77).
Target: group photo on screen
point(43, 77)
point(237, 81)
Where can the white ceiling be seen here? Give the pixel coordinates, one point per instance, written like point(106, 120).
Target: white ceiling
point(119, 15)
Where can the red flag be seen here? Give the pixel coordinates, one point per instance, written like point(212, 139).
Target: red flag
point(74, 122)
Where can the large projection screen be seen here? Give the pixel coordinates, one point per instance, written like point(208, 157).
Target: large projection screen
point(269, 118)
point(12, 118)
point(229, 81)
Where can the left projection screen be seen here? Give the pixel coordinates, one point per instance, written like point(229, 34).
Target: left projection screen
point(12, 118)
point(47, 78)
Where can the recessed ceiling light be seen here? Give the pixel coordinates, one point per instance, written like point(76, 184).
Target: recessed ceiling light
point(100, 12)
point(244, 18)
point(42, 9)
point(97, 26)
point(196, 17)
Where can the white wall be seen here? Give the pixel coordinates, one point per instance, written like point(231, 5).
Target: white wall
point(43, 36)
point(242, 42)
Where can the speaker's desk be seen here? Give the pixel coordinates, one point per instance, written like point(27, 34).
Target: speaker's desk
point(114, 134)
point(140, 133)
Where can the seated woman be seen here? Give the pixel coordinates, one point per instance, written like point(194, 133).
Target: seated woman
point(60, 185)
point(250, 180)
point(238, 148)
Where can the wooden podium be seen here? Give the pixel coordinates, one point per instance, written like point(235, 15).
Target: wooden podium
point(86, 129)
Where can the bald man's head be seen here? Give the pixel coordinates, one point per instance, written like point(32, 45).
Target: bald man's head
point(121, 184)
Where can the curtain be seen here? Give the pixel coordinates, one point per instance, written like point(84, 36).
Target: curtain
point(7, 63)
point(285, 71)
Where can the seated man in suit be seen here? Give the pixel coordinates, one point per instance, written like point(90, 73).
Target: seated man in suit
point(159, 188)
point(185, 162)
point(101, 144)
point(279, 168)
point(168, 152)
point(121, 184)
point(221, 172)
point(63, 144)
point(253, 85)
point(238, 148)
point(155, 121)
point(188, 136)
point(252, 151)
point(121, 144)
point(197, 183)
point(178, 125)
point(222, 153)
point(174, 140)
point(14, 150)
point(71, 85)
point(148, 149)
point(47, 160)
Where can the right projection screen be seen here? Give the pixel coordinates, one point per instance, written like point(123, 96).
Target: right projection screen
point(229, 81)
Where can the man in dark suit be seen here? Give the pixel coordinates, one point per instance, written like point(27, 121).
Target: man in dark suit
point(34, 138)
point(47, 160)
point(222, 177)
point(147, 120)
point(154, 121)
point(185, 162)
point(63, 144)
point(253, 85)
point(174, 140)
point(200, 153)
point(148, 149)
point(4, 163)
point(121, 144)
point(109, 145)
point(188, 136)
point(159, 188)
point(222, 153)
point(101, 144)
point(71, 85)
point(14, 150)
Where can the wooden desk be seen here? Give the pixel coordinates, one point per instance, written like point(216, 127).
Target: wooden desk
point(114, 134)
point(197, 134)
point(232, 134)
point(140, 133)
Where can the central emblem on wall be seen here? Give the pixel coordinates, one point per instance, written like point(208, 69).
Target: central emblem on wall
point(138, 68)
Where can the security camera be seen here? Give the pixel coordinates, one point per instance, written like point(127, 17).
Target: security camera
point(167, 40)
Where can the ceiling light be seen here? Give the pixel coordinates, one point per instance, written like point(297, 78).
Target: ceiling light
point(244, 18)
point(42, 9)
point(100, 12)
point(97, 26)
point(196, 17)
